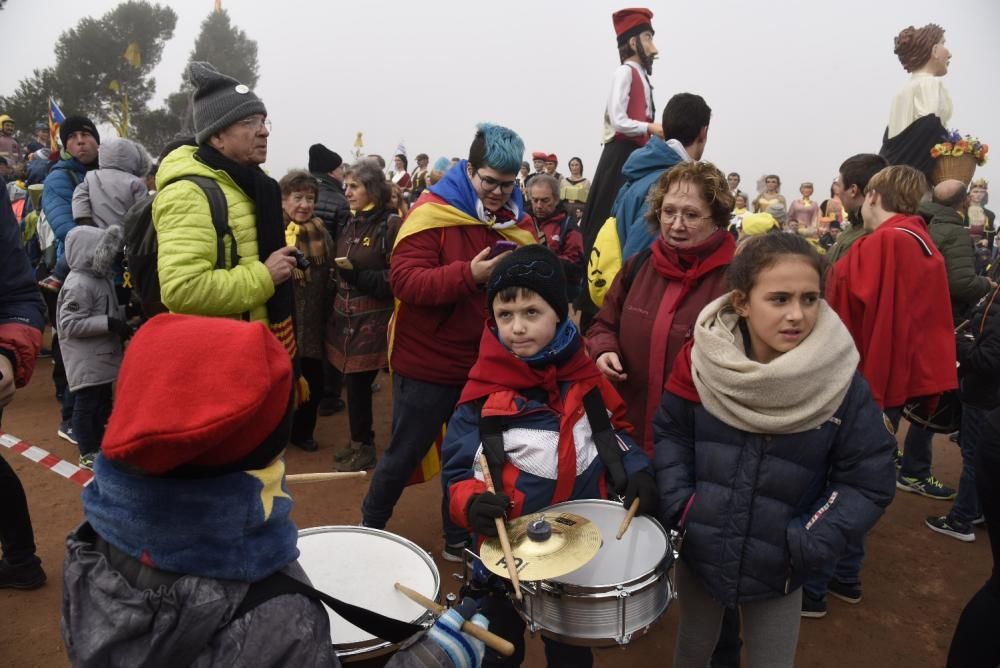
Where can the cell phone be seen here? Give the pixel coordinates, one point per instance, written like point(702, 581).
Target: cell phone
point(501, 246)
point(344, 263)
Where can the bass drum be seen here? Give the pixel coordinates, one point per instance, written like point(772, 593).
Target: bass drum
point(360, 566)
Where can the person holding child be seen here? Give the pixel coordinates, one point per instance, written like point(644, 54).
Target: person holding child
point(770, 452)
point(532, 387)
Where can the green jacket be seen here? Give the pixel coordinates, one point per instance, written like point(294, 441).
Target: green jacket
point(843, 244)
point(948, 231)
point(189, 281)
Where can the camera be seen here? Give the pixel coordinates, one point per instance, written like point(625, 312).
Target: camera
point(301, 262)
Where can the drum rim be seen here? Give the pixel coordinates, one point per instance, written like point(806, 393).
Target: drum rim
point(632, 581)
point(353, 651)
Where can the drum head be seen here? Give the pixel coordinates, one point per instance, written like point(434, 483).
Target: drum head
point(639, 552)
point(359, 565)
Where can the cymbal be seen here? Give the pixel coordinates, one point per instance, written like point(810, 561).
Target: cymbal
point(574, 541)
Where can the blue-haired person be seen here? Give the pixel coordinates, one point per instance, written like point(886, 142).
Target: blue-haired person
point(455, 234)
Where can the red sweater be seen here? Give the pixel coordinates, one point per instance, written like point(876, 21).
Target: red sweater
point(441, 311)
point(891, 290)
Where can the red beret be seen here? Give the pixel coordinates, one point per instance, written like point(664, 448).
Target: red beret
point(538, 155)
point(195, 390)
point(631, 22)
point(551, 157)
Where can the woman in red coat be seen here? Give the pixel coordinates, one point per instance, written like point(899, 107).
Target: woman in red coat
point(651, 307)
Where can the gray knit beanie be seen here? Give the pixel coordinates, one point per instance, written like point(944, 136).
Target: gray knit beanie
point(219, 101)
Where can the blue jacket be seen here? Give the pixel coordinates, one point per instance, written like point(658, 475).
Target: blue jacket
point(57, 198)
point(641, 171)
point(769, 510)
point(22, 313)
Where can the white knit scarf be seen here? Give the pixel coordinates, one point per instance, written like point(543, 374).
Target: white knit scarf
point(797, 391)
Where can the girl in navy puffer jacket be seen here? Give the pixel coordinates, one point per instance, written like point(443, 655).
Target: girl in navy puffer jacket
point(770, 452)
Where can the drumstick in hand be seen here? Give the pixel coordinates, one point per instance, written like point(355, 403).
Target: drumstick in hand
point(632, 510)
point(492, 640)
point(323, 477)
point(508, 554)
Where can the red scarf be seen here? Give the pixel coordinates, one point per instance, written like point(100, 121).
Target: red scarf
point(498, 369)
point(683, 268)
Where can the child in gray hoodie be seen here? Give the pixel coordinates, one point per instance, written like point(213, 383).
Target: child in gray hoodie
point(106, 194)
point(92, 330)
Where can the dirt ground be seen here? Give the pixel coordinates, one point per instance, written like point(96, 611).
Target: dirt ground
point(915, 581)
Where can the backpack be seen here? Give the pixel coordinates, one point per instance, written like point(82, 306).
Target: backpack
point(141, 246)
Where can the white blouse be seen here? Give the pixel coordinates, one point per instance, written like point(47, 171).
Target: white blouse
point(923, 94)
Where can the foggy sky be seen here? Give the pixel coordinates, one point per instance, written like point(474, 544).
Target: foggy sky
point(795, 86)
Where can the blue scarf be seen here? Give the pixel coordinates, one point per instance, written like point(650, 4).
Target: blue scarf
point(455, 187)
point(235, 526)
point(561, 348)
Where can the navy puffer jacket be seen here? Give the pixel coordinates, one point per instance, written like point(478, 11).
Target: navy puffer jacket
point(769, 510)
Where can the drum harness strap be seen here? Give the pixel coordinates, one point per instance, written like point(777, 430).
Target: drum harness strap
point(609, 446)
point(280, 583)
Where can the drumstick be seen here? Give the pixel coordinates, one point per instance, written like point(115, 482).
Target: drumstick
point(632, 509)
point(323, 477)
point(508, 554)
point(492, 640)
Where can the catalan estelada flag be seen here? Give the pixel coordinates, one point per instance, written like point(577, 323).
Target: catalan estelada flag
point(56, 119)
point(430, 465)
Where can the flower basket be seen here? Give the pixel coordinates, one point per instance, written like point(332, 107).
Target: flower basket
point(960, 167)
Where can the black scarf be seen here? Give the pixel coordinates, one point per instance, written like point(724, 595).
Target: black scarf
point(266, 194)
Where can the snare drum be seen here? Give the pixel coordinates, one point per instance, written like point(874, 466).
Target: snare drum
point(617, 595)
point(359, 565)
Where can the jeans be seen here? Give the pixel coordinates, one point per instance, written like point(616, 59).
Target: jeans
point(304, 421)
point(359, 405)
point(91, 411)
point(16, 536)
point(976, 641)
point(770, 627)
point(966, 507)
point(917, 453)
point(419, 409)
point(506, 623)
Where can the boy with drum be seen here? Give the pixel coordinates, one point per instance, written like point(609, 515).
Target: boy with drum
point(534, 390)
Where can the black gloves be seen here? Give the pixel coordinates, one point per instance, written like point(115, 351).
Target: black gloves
point(643, 486)
point(484, 509)
point(121, 328)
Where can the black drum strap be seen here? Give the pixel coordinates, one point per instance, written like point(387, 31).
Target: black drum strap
point(608, 447)
point(281, 583)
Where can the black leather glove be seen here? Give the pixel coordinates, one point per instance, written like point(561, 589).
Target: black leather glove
point(484, 509)
point(121, 328)
point(642, 485)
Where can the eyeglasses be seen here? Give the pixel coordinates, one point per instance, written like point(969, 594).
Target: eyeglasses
point(255, 123)
point(490, 184)
point(687, 217)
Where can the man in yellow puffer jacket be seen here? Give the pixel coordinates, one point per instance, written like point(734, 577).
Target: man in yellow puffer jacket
point(230, 122)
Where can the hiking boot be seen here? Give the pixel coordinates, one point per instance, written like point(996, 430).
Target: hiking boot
point(952, 527)
point(347, 452)
point(22, 576)
point(330, 405)
point(849, 593)
point(930, 487)
point(309, 445)
point(813, 607)
point(363, 460)
point(87, 461)
point(454, 553)
point(65, 432)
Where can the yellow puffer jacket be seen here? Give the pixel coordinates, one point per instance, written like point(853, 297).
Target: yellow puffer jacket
point(189, 280)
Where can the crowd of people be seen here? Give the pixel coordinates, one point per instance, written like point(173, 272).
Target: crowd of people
point(737, 364)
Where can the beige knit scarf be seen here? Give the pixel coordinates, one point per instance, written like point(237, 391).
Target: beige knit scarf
point(798, 391)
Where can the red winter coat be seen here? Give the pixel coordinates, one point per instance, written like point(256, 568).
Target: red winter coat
point(891, 290)
point(441, 310)
point(626, 324)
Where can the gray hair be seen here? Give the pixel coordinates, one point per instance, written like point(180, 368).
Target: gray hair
point(545, 180)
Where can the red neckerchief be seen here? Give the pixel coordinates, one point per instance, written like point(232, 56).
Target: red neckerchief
point(681, 379)
point(689, 264)
point(498, 369)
